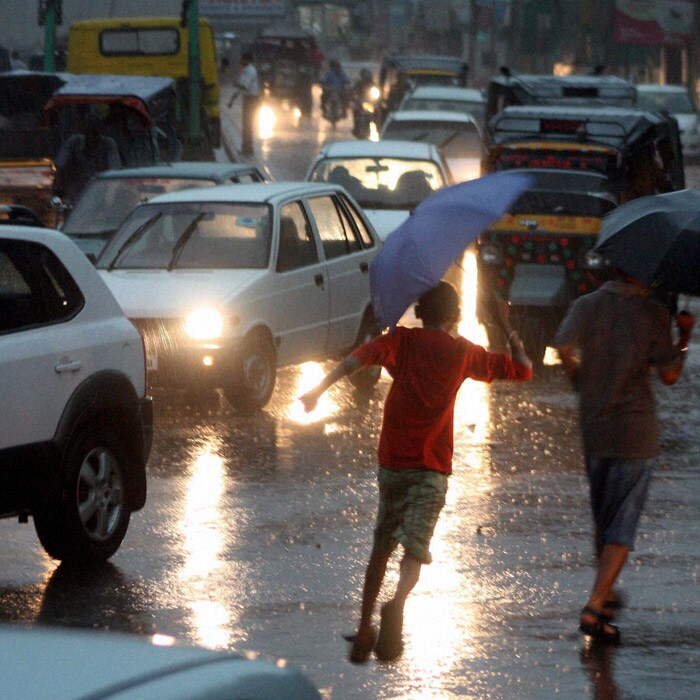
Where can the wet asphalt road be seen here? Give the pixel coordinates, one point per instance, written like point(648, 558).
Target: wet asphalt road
point(257, 529)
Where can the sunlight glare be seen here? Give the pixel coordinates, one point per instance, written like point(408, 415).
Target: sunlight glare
point(309, 375)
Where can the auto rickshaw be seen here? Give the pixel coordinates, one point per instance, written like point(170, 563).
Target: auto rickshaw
point(26, 148)
point(592, 91)
point(540, 256)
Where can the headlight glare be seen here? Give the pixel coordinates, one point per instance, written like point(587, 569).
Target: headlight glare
point(204, 324)
point(593, 260)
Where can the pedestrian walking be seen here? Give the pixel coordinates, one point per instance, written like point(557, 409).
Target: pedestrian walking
point(428, 366)
point(607, 343)
point(249, 88)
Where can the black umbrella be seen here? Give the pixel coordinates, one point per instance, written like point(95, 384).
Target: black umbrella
point(656, 239)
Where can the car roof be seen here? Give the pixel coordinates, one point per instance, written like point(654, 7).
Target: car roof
point(655, 87)
point(259, 192)
point(384, 148)
point(409, 62)
point(184, 169)
point(446, 92)
point(431, 115)
point(143, 87)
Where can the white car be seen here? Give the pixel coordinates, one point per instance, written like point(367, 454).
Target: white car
point(387, 178)
point(77, 426)
point(456, 135)
point(228, 283)
point(42, 663)
point(446, 98)
point(676, 100)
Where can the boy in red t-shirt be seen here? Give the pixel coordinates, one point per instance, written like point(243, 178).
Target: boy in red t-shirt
point(428, 366)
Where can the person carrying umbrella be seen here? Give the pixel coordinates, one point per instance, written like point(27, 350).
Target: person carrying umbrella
point(607, 343)
point(428, 366)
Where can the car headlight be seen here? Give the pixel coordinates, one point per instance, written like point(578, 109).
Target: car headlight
point(204, 324)
point(374, 93)
point(490, 254)
point(593, 260)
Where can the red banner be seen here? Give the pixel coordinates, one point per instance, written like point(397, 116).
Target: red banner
point(654, 22)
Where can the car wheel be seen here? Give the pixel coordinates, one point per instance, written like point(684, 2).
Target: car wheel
point(86, 520)
point(367, 377)
point(254, 375)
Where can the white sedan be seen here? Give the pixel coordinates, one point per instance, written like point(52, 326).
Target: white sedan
point(387, 178)
point(446, 98)
point(62, 664)
point(228, 283)
point(456, 135)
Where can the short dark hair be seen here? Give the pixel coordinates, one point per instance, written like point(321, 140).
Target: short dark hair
point(439, 305)
point(247, 56)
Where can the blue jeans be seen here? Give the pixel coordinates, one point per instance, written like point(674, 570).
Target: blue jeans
point(619, 489)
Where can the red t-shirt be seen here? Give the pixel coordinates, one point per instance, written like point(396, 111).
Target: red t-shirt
point(428, 367)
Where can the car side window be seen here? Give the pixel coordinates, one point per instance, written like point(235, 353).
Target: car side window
point(337, 236)
point(245, 178)
point(35, 287)
point(365, 235)
point(296, 243)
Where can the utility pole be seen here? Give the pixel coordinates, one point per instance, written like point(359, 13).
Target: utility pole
point(49, 17)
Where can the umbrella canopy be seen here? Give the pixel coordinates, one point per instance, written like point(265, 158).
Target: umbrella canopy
point(656, 239)
point(417, 254)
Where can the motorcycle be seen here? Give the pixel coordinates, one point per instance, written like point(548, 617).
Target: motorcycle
point(333, 106)
point(365, 112)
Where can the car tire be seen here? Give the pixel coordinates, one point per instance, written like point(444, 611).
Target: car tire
point(87, 518)
point(254, 375)
point(367, 377)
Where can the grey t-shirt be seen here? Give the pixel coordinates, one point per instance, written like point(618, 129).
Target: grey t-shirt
point(620, 334)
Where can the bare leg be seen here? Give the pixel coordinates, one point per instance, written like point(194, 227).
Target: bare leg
point(409, 573)
point(374, 576)
point(610, 563)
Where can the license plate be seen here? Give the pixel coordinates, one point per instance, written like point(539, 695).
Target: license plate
point(152, 362)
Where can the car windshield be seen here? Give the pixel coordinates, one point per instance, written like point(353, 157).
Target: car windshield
point(106, 202)
point(432, 78)
point(674, 102)
point(382, 183)
point(462, 137)
point(191, 235)
point(460, 106)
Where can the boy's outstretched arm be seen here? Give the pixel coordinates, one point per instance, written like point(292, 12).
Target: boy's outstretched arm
point(347, 366)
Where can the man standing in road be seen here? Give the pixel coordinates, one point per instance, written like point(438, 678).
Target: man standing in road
point(607, 343)
point(249, 86)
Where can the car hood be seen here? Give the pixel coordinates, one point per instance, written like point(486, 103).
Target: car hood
point(386, 220)
point(163, 294)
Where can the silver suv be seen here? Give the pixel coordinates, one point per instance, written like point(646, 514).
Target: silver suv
point(77, 424)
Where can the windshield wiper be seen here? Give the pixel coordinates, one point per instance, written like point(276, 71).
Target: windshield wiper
point(133, 238)
point(182, 241)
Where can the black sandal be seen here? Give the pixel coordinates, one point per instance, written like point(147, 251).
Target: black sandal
point(601, 630)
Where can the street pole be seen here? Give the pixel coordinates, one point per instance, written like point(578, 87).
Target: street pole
point(195, 130)
point(50, 36)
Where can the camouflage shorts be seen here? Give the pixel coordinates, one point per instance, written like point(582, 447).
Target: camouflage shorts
point(410, 501)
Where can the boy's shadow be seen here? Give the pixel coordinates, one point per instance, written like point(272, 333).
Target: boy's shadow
point(599, 662)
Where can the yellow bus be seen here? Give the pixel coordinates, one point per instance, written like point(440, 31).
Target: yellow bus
point(156, 46)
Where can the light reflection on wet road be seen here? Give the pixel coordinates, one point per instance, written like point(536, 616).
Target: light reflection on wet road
point(257, 530)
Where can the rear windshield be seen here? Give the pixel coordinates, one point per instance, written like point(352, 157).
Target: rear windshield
point(439, 133)
point(106, 202)
point(191, 235)
point(382, 183)
point(678, 102)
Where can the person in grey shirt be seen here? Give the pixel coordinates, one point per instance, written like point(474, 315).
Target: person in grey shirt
point(607, 342)
point(81, 157)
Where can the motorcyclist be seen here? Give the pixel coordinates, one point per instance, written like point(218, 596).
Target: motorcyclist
point(335, 80)
point(361, 94)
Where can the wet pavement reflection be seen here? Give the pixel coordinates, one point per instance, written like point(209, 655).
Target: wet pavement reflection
point(257, 530)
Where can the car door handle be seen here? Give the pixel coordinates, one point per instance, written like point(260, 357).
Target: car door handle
point(364, 267)
point(319, 280)
point(70, 366)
